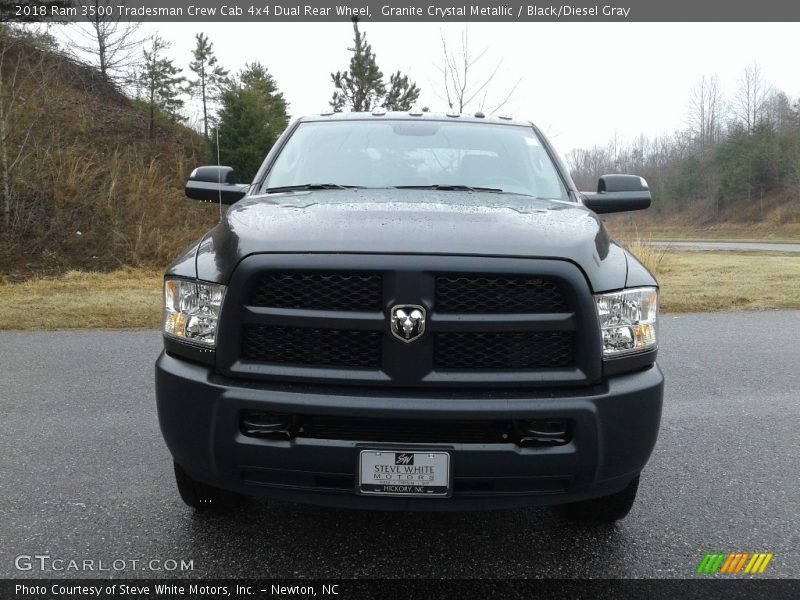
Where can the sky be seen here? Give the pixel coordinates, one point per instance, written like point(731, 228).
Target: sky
point(582, 83)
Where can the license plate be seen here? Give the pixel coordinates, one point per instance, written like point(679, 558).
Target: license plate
point(393, 473)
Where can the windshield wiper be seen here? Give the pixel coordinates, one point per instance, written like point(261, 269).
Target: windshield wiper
point(448, 188)
point(310, 186)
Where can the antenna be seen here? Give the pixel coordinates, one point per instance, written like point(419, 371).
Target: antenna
point(219, 176)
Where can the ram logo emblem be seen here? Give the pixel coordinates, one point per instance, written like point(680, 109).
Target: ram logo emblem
point(407, 322)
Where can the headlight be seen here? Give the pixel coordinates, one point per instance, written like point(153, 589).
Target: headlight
point(191, 310)
point(628, 320)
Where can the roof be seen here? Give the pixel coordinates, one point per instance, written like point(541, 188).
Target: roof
point(412, 115)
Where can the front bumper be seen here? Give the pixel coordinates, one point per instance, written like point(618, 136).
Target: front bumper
point(615, 425)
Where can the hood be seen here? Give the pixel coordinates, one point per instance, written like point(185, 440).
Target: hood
point(412, 222)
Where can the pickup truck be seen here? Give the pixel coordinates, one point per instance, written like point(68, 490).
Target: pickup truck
point(411, 311)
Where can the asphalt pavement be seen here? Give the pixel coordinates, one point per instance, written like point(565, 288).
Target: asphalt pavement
point(740, 246)
point(84, 475)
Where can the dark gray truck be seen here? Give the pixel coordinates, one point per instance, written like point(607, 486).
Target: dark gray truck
point(411, 311)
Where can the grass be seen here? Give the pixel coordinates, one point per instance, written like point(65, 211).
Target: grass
point(715, 281)
point(131, 298)
point(649, 255)
point(128, 298)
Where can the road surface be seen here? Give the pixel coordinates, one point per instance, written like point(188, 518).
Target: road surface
point(741, 246)
point(85, 475)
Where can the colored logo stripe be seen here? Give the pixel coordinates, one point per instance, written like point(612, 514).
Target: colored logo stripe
point(734, 562)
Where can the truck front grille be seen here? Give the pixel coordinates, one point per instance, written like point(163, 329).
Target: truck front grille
point(491, 295)
point(312, 347)
point(503, 350)
point(489, 322)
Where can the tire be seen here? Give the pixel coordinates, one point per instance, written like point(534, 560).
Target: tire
point(602, 510)
point(202, 497)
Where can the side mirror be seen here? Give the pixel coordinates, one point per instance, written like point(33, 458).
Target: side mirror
point(619, 193)
point(209, 184)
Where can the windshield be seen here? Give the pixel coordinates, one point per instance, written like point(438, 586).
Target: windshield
point(439, 154)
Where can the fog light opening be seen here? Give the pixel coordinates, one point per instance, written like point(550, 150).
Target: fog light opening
point(267, 425)
point(544, 432)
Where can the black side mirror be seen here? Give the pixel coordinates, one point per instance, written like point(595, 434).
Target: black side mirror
point(619, 193)
point(210, 184)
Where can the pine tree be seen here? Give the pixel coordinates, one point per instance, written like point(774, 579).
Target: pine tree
point(210, 76)
point(162, 82)
point(253, 114)
point(361, 87)
point(402, 94)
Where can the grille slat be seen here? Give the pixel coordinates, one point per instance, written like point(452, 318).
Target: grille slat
point(310, 347)
point(492, 295)
point(319, 291)
point(503, 350)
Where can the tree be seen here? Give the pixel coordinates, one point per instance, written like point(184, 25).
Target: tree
point(253, 114)
point(109, 40)
point(462, 86)
point(751, 99)
point(402, 93)
point(705, 112)
point(210, 76)
point(162, 82)
point(362, 87)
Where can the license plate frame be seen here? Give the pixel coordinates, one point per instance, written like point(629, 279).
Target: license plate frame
point(407, 479)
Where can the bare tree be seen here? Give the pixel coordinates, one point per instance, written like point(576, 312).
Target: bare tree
point(706, 107)
point(751, 98)
point(114, 44)
point(778, 111)
point(462, 83)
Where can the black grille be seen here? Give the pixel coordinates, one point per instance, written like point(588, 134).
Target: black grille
point(503, 350)
point(319, 291)
point(498, 295)
point(306, 346)
point(408, 431)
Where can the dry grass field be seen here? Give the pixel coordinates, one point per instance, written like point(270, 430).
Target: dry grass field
point(128, 298)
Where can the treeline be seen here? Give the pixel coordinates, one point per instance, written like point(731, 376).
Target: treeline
point(738, 158)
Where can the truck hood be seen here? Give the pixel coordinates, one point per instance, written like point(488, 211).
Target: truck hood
point(412, 222)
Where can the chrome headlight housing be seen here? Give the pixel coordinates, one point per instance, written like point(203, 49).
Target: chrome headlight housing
point(191, 310)
point(628, 321)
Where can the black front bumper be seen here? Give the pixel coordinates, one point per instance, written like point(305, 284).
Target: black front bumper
point(615, 425)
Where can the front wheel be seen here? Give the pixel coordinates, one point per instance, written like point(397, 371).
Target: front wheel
point(602, 510)
point(201, 496)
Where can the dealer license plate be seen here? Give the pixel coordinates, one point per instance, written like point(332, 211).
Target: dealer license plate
point(392, 473)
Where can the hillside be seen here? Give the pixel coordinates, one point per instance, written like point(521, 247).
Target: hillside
point(81, 185)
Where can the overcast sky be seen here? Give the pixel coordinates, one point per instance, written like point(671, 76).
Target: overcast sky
point(580, 82)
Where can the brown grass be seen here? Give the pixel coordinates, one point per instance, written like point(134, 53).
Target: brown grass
point(715, 281)
point(131, 298)
point(649, 255)
point(123, 299)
